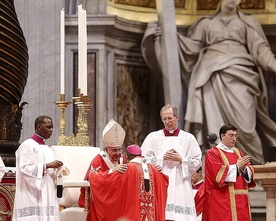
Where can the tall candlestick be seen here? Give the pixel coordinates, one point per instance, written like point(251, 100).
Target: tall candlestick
point(62, 52)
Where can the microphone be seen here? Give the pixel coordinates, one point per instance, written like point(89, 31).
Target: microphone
point(212, 138)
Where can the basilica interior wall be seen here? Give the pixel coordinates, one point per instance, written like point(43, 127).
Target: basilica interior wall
point(120, 84)
point(116, 67)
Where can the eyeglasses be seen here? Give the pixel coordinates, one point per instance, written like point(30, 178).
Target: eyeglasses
point(170, 119)
point(232, 135)
point(116, 150)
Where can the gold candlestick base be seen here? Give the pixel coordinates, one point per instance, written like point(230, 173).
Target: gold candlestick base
point(62, 105)
point(83, 124)
point(81, 138)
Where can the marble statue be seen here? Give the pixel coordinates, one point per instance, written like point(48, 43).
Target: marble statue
point(224, 56)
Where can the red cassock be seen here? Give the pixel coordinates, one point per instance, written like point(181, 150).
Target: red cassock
point(118, 195)
point(227, 201)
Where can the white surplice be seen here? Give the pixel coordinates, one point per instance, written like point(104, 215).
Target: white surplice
point(180, 201)
point(35, 197)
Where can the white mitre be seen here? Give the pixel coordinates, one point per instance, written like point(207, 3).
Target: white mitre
point(113, 134)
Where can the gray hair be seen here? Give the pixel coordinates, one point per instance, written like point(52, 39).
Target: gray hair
point(167, 106)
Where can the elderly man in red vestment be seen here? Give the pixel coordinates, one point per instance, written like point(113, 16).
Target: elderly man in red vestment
point(228, 175)
point(108, 160)
point(138, 194)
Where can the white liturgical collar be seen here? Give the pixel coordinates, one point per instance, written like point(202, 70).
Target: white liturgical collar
point(225, 148)
point(113, 134)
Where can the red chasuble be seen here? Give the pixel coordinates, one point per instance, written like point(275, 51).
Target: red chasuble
point(118, 195)
point(95, 163)
point(227, 201)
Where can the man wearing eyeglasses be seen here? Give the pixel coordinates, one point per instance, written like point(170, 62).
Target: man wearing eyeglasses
point(179, 155)
point(228, 175)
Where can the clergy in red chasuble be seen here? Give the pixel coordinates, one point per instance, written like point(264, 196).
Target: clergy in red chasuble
point(228, 175)
point(138, 194)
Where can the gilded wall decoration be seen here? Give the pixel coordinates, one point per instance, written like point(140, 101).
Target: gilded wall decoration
point(212, 4)
point(133, 101)
point(147, 3)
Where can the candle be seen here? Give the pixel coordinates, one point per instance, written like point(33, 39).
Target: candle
point(62, 52)
point(82, 50)
point(84, 80)
point(79, 47)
